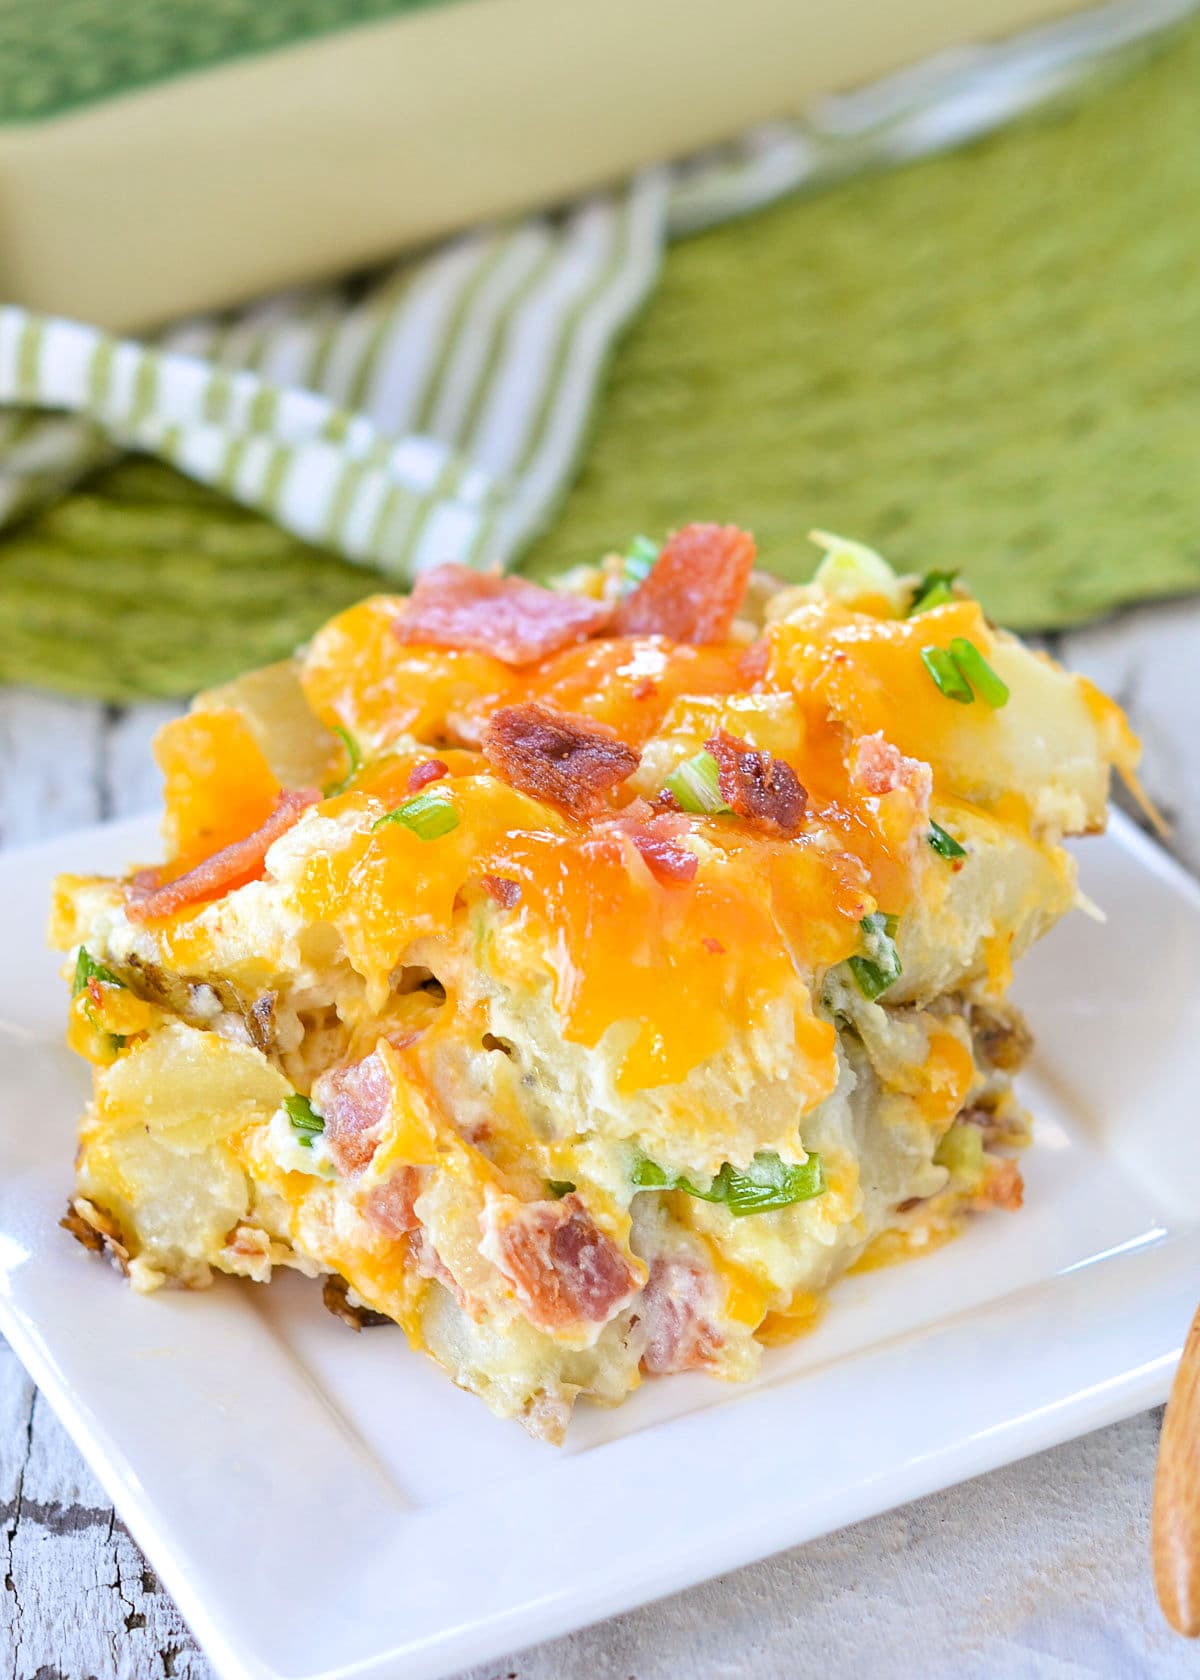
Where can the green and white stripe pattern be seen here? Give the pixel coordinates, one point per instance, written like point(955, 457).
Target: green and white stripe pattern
point(438, 413)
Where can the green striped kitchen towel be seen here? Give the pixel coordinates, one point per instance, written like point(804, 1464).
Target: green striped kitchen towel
point(438, 410)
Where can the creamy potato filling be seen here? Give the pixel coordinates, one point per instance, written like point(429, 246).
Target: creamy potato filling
point(584, 980)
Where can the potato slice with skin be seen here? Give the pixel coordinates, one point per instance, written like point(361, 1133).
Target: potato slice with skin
point(159, 1147)
point(188, 1087)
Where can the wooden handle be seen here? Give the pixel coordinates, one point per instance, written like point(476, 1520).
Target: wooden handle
point(1175, 1521)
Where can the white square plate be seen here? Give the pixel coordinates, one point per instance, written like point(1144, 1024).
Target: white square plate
point(321, 1503)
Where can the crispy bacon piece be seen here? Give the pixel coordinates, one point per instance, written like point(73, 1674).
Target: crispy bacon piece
point(695, 587)
point(233, 866)
point(567, 761)
point(564, 1270)
point(353, 1099)
point(760, 789)
point(502, 890)
point(515, 621)
point(675, 1312)
point(431, 771)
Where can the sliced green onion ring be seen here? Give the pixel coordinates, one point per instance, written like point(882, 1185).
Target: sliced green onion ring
point(87, 968)
point(878, 967)
point(306, 1122)
point(353, 762)
point(976, 670)
point(934, 590)
point(639, 560)
point(943, 668)
point(696, 785)
point(428, 815)
point(944, 844)
point(766, 1184)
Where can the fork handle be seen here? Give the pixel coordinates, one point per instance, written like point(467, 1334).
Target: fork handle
point(1175, 1520)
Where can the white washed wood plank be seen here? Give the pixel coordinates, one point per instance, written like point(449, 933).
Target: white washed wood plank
point(1149, 660)
point(131, 780)
point(50, 759)
point(1037, 1572)
point(79, 1599)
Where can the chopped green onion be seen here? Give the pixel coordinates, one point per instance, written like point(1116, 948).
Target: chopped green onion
point(87, 968)
point(353, 762)
point(306, 1122)
point(769, 1183)
point(943, 668)
point(559, 1187)
point(976, 670)
point(648, 1175)
point(638, 563)
point(428, 815)
point(944, 844)
point(934, 590)
point(696, 785)
point(766, 1184)
point(961, 672)
point(961, 1153)
point(879, 965)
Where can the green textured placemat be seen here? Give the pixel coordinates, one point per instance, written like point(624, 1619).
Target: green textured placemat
point(58, 58)
point(991, 360)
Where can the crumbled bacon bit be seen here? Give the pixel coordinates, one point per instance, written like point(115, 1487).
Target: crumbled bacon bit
point(881, 768)
point(656, 836)
point(431, 771)
point(233, 866)
point(693, 591)
point(1003, 1188)
point(752, 666)
point(389, 1206)
point(567, 761)
point(713, 945)
point(676, 1311)
point(758, 788)
point(660, 851)
point(509, 618)
point(353, 1099)
point(562, 1267)
point(500, 888)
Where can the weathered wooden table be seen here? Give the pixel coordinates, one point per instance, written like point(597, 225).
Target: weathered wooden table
point(1039, 1569)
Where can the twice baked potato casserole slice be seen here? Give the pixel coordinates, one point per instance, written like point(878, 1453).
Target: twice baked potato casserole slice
point(584, 978)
